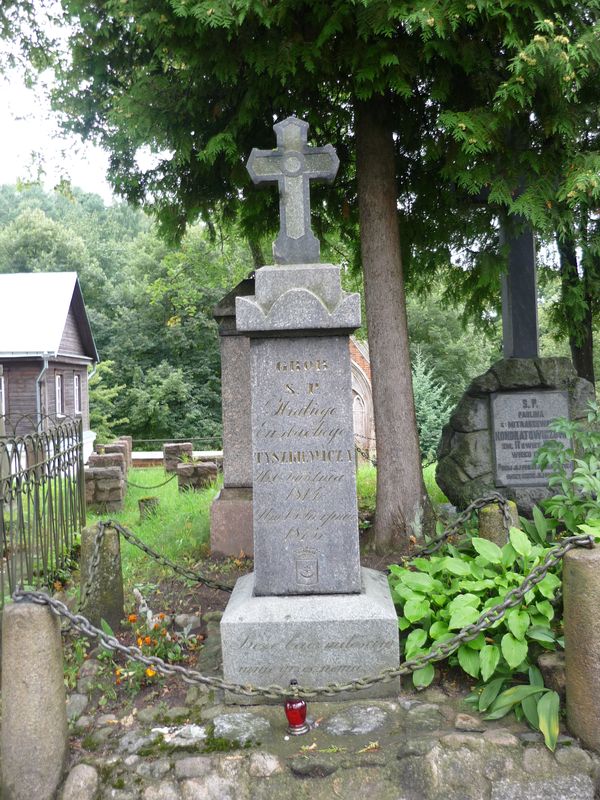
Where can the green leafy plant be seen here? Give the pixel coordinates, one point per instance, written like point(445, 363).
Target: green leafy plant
point(439, 596)
point(574, 464)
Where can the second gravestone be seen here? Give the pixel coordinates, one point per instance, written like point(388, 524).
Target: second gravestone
point(308, 612)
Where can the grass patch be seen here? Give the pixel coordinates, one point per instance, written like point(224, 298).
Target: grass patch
point(366, 486)
point(179, 528)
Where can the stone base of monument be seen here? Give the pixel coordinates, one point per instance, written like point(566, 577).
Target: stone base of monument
point(231, 522)
point(316, 639)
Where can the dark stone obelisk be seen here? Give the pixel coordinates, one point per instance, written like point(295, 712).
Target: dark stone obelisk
point(519, 292)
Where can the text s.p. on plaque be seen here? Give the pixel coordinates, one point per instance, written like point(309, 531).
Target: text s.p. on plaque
point(520, 426)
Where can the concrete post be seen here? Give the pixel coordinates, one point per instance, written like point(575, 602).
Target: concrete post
point(33, 741)
point(105, 599)
point(581, 598)
point(491, 522)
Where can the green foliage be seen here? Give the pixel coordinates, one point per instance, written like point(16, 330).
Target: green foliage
point(102, 402)
point(179, 528)
point(574, 464)
point(366, 487)
point(433, 490)
point(440, 595)
point(432, 406)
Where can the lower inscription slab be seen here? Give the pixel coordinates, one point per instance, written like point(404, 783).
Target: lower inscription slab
point(521, 423)
point(315, 639)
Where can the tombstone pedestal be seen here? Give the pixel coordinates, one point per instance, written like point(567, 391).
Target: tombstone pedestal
point(315, 639)
point(308, 611)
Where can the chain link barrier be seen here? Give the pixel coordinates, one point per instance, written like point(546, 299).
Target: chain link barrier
point(439, 652)
point(149, 488)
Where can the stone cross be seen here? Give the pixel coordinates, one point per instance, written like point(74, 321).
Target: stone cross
point(292, 166)
point(519, 294)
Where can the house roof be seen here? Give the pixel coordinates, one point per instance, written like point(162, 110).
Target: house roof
point(34, 307)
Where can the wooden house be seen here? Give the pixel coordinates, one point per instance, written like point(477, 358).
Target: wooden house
point(46, 347)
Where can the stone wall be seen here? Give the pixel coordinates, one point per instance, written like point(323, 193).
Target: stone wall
point(196, 475)
point(175, 453)
point(465, 469)
point(104, 488)
point(105, 460)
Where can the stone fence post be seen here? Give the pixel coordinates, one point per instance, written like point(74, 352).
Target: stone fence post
point(175, 453)
point(33, 741)
point(105, 599)
point(581, 597)
point(491, 522)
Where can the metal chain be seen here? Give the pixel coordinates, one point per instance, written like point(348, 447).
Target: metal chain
point(190, 574)
point(158, 485)
point(494, 497)
point(441, 651)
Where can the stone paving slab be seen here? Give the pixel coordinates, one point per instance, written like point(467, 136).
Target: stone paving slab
point(426, 746)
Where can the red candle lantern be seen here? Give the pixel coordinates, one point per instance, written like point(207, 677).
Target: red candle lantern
point(295, 711)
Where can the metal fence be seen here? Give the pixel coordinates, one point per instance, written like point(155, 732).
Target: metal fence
point(42, 501)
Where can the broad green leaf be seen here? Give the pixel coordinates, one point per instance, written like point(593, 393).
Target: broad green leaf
point(477, 643)
point(520, 542)
point(541, 523)
point(463, 616)
point(418, 581)
point(509, 555)
point(542, 635)
point(490, 693)
point(513, 650)
point(106, 627)
point(548, 586)
point(545, 607)
point(468, 660)
point(423, 677)
point(529, 706)
point(535, 676)
point(464, 600)
point(488, 550)
point(518, 622)
point(489, 656)
point(403, 623)
point(438, 629)
point(414, 641)
point(456, 566)
point(414, 610)
point(547, 709)
point(422, 564)
point(509, 698)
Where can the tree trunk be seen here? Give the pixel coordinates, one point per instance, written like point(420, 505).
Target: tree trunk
point(403, 507)
point(579, 324)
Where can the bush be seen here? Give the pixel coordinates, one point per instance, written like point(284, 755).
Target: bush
point(432, 406)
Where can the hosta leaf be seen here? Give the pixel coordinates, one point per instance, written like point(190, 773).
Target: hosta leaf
point(489, 656)
point(529, 706)
point(403, 623)
point(518, 622)
point(423, 677)
point(414, 610)
point(509, 698)
point(520, 541)
point(488, 550)
point(490, 693)
point(418, 581)
point(456, 566)
point(438, 629)
point(513, 650)
point(414, 641)
point(545, 607)
point(463, 616)
point(468, 660)
point(547, 709)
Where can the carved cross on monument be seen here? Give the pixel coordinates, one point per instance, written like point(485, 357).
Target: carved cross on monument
point(292, 166)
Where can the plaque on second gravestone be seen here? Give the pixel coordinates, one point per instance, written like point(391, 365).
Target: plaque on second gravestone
point(520, 426)
point(305, 509)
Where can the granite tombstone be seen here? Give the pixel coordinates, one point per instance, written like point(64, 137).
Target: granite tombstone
point(308, 611)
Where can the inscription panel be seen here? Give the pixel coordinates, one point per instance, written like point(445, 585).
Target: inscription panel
point(520, 425)
point(305, 512)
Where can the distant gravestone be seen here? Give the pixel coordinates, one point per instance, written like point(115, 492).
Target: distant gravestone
point(499, 424)
point(308, 612)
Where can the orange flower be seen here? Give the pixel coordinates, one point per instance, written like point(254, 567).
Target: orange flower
point(150, 672)
point(163, 631)
point(147, 640)
point(161, 615)
point(132, 618)
point(139, 641)
point(156, 626)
